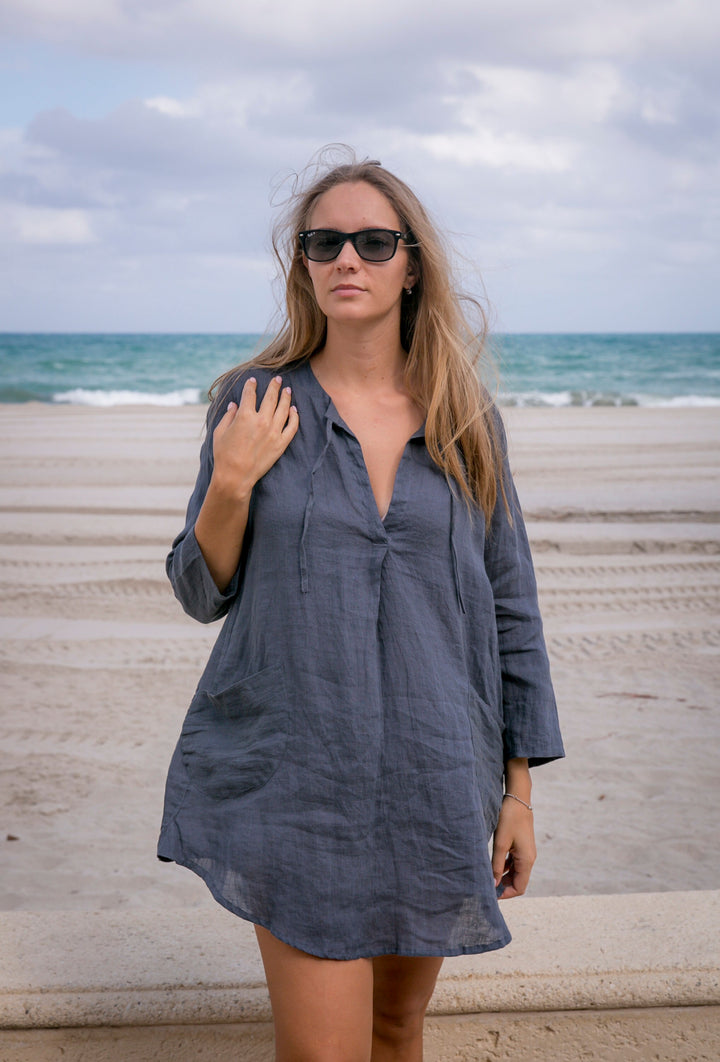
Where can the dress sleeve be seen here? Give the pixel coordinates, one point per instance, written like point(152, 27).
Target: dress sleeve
point(529, 709)
point(192, 583)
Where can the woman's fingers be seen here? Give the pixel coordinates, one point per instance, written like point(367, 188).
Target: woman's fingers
point(271, 398)
point(504, 873)
point(248, 398)
point(274, 406)
point(224, 425)
point(499, 860)
point(513, 853)
point(249, 439)
point(292, 425)
point(227, 417)
point(521, 874)
point(516, 877)
point(282, 409)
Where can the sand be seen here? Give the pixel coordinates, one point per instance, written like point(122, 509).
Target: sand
point(99, 663)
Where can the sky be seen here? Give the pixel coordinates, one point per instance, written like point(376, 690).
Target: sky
point(569, 150)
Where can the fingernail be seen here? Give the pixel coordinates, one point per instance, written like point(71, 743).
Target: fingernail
point(278, 379)
point(287, 390)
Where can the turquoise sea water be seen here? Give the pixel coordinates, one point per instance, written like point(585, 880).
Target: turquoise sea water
point(553, 370)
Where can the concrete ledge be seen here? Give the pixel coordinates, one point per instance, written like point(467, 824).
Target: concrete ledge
point(659, 1034)
point(106, 976)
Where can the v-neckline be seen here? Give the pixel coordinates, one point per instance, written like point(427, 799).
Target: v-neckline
point(334, 416)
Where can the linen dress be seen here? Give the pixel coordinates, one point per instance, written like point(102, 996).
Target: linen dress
point(340, 769)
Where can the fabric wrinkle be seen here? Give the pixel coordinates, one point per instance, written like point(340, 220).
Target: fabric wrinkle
point(304, 575)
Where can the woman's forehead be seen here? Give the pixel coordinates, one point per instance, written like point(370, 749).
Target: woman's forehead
point(352, 206)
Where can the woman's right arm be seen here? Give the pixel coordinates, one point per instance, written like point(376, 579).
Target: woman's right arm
point(247, 441)
point(246, 444)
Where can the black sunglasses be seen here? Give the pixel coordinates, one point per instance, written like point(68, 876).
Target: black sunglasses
point(373, 245)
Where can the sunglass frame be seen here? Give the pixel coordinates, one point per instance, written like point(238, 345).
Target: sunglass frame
point(343, 237)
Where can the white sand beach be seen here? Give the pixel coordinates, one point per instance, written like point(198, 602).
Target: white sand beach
point(99, 663)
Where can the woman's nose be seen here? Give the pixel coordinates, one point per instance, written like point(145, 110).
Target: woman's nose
point(348, 256)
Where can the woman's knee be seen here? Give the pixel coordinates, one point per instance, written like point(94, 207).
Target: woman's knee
point(403, 988)
point(399, 1021)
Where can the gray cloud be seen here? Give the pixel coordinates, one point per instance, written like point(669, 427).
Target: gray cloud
point(575, 144)
point(212, 32)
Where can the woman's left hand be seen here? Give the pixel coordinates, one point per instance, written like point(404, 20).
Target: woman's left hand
point(514, 849)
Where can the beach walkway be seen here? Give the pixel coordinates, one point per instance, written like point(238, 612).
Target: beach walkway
point(612, 978)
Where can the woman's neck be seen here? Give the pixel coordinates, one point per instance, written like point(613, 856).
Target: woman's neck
point(361, 359)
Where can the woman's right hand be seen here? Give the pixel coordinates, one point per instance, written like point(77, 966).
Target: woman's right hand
point(246, 444)
point(248, 441)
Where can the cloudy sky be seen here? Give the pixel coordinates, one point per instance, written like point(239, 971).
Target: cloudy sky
point(570, 148)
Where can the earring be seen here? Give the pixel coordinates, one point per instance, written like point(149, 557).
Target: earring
point(408, 291)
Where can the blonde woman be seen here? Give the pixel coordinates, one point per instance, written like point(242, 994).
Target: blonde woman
point(380, 689)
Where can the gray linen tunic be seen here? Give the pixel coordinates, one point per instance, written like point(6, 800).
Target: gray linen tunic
point(340, 768)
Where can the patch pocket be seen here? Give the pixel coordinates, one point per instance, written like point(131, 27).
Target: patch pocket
point(233, 741)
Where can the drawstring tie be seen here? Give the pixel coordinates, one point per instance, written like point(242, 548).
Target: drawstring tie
point(304, 582)
point(453, 551)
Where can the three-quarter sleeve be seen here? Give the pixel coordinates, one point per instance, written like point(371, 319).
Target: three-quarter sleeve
point(529, 708)
point(192, 583)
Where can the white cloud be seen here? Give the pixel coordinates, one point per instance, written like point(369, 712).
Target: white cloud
point(502, 151)
point(172, 108)
point(235, 100)
point(45, 226)
point(585, 91)
point(692, 252)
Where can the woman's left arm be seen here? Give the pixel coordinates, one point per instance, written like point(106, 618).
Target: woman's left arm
point(514, 849)
point(532, 733)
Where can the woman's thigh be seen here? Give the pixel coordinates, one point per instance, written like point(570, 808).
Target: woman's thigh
point(322, 1008)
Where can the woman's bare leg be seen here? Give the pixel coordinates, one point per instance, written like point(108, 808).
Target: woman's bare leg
point(402, 990)
point(322, 1008)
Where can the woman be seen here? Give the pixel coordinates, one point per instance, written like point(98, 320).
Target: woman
point(381, 671)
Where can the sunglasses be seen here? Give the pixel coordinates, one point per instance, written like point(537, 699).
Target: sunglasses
point(373, 245)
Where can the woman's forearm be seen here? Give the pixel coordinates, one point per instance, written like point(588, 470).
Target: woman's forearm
point(219, 530)
point(517, 779)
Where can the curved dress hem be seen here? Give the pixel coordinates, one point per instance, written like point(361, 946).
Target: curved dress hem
point(369, 952)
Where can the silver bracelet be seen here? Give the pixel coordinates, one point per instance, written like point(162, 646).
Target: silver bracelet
point(513, 797)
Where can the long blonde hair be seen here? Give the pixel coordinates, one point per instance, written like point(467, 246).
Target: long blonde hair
point(444, 353)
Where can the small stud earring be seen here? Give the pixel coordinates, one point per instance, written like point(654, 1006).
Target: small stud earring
point(408, 291)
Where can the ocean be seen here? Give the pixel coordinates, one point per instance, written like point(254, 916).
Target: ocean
point(534, 370)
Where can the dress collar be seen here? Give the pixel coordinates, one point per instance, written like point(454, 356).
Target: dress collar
point(328, 406)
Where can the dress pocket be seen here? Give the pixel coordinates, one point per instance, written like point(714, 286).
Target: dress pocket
point(233, 741)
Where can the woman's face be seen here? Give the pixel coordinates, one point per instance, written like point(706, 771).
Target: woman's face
point(349, 289)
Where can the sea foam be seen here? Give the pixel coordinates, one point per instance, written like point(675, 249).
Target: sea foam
point(79, 396)
point(679, 400)
point(556, 399)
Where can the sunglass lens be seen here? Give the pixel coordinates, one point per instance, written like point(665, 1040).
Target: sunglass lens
point(375, 245)
point(323, 246)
